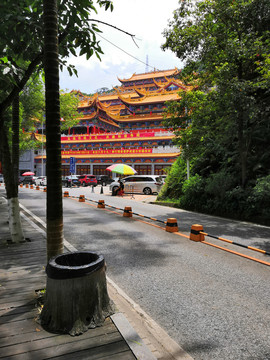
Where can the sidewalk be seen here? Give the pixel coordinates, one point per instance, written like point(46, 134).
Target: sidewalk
point(21, 276)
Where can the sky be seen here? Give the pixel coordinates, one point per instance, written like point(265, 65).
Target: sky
point(146, 19)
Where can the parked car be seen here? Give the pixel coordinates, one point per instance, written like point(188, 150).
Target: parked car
point(31, 180)
point(88, 180)
point(147, 184)
point(71, 180)
point(104, 180)
point(1, 178)
point(41, 181)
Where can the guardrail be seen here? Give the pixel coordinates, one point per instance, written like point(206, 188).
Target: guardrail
point(235, 243)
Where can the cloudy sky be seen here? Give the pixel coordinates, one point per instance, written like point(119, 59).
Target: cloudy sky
point(146, 19)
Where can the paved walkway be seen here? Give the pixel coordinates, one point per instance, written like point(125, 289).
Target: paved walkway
point(21, 336)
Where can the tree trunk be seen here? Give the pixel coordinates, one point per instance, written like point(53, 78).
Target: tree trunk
point(53, 135)
point(76, 293)
point(15, 137)
point(15, 225)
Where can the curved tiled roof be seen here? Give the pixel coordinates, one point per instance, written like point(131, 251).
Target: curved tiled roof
point(151, 75)
point(150, 98)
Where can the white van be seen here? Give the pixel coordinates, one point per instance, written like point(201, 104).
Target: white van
point(147, 184)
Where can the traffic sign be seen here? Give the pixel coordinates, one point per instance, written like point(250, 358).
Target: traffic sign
point(72, 162)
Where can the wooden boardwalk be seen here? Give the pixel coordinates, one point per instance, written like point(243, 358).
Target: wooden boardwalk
point(21, 336)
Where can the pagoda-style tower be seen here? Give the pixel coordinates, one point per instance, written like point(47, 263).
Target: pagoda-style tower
point(124, 125)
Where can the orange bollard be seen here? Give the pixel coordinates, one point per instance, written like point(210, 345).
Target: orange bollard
point(66, 194)
point(26, 185)
point(37, 187)
point(31, 186)
point(171, 225)
point(195, 233)
point(101, 204)
point(81, 198)
point(127, 211)
point(45, 189)
point(21, 185)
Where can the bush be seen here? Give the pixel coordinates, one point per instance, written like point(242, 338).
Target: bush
point(193, 197)
point(259, 201)
point(218, 194)
point(173, 186)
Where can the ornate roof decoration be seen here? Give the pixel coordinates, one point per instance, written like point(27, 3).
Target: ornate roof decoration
point(151, 75)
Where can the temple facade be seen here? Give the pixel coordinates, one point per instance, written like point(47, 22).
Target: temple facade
point(123, 126)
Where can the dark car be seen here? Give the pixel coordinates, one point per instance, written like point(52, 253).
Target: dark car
point(31, 180)
point(88, 180)
point(69, 181)
point(104, 180)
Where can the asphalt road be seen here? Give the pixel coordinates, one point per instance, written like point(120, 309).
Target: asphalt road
point(213, 303)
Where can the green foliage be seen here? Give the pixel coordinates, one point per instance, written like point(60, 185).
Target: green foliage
point(68, 109)
point(173, 185)
point(222, 125)
point(21, 42)
point(259, 201)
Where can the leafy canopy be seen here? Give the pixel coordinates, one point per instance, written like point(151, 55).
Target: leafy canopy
point(21, 42)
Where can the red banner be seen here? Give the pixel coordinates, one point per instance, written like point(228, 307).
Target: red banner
point(109, 151)
point(119, 136)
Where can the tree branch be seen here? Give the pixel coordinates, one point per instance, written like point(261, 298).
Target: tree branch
point(115, 27)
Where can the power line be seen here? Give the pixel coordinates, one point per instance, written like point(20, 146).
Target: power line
point(126, 52)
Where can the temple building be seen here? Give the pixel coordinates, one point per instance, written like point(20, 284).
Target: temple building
point(123, 125)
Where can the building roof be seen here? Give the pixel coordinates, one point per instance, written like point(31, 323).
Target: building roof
point(150, 98)
point(151, 75)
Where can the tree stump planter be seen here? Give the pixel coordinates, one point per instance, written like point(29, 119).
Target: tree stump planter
point(76, 293)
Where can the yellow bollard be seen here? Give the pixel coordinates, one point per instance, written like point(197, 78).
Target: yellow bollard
point(127, 211)
point(101, 204)
point(195, 233)
point(81, 198)
point(171, 225)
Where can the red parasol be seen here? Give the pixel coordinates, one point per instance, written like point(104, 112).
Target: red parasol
point(28, 173)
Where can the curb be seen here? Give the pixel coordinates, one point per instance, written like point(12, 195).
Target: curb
point(133, 340)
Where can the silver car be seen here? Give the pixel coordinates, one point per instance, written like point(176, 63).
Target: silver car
point(147, 184)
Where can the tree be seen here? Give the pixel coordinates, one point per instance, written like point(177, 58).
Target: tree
point(227, 44)
point(22, 52)
point(67, 307)
point(55, 244)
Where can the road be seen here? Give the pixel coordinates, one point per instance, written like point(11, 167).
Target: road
point(213, 303)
